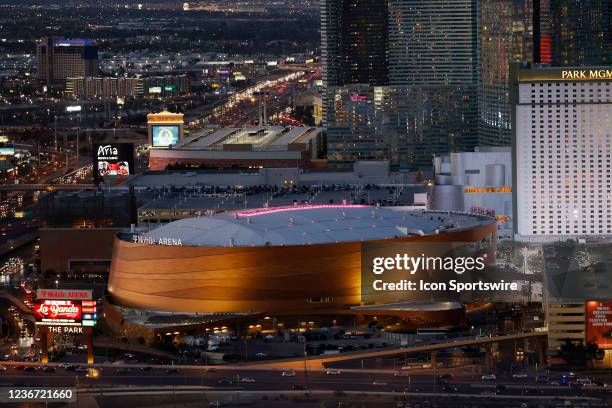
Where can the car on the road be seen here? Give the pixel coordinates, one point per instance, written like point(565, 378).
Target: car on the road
point(261, 355)
point(64, 365)
point(542, 379)
point(211, 370)
point(400, 374)
point(247, 379)
point(379, 383)
point(333, 372)
point(288, 374)
point(2, 368)
point(444, 378)
point(93, 372)
point(172, 371)
point(488, 377)
point(81, 369)
point(147, 368)
point(48, 369)
point(298, 387)
point(450, 388)
point(29, 369)
point(500, 389)
point(487, 392)
point(123, 370)
point(519, 376)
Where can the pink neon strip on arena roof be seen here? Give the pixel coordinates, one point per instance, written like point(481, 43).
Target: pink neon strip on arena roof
point(273, 210)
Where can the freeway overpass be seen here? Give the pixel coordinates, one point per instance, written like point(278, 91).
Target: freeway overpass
point(321, 362)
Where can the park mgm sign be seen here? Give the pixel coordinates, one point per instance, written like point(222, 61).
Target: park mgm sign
point(566, 74)
point(65, 312)
point(587, 74)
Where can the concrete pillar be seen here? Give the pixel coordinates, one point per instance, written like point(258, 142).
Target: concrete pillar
point(540, 349)
point(44, 344)
point(488, 356)
point(90, 352)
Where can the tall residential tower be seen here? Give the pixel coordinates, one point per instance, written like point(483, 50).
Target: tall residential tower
point(424, 100)
point(58, 59)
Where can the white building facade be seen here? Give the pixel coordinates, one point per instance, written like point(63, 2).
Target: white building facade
point(476, 182)
point(562, 152)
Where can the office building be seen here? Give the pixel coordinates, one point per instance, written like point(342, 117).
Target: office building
point(104, 88)
point(59, 59)
point(432, 42)
point(562, 152)
point(505, 34)
point(406, 125)
point(354, 42)
point(423, 103)
point(581, 32)
point(127, 87)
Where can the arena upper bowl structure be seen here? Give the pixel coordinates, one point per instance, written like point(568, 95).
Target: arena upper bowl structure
point(280, 260)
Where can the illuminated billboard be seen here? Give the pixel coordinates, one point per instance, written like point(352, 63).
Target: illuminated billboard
point(7, 151)
point(598, 322)
point(155, 90)
point(57, 312)
point(164, 136)
point(113, 159)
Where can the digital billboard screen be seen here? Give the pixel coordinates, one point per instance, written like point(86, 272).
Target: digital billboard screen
point(165, 135)
point(113, 159)
point(57, 312)
point(598, 322)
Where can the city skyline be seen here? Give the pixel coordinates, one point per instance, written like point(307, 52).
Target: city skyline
point(344, 203)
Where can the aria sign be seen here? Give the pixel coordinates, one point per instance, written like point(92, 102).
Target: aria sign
point(113, 159)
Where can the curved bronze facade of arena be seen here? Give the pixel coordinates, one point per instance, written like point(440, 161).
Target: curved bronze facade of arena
point(276, 279)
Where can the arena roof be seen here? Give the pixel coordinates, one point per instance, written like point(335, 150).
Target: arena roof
point(260, 137)
point(310, 224)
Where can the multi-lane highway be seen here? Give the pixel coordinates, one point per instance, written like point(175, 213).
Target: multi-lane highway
point(462, 382)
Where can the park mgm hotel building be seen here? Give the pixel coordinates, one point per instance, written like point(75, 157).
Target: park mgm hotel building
point(562, 152)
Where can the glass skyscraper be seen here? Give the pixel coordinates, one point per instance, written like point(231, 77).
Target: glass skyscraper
point(505, 31)
point(427, 105)
point(548, 32)
point(582, 32)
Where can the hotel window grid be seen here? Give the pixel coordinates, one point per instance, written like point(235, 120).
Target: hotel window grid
point(564, 139)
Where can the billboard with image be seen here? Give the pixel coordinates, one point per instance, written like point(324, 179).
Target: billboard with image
point(598, 322)
point(113, 159)
point(57, 312)
point(165, 135)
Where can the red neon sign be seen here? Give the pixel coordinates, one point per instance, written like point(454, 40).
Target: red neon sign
point(272, 210)
point(57, 310)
